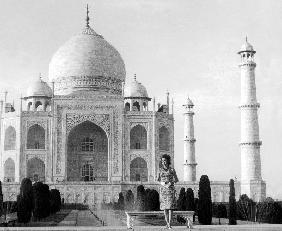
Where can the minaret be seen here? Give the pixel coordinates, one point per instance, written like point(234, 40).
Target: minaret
point(251, 181)
point(189, 143)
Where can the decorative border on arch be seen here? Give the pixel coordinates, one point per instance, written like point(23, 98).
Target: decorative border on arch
point(143, 124)
point(102, 120)
point(142, 155)
point(41, 157)
point(42, 123)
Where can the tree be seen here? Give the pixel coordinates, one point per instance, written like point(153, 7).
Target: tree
point(245, 208)
point(120, 201)
point(140, 200)
point(25, 201)
point(41, 198)
point(181, 202)
point(129, 200)
point(147, 200)
point(190, 205)
point(1, 199)
point(232, 204)
point(205, 203)
point(221, 211)
point(55, 200)
point(154, 200)
point(269, 211)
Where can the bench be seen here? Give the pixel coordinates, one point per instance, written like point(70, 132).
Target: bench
point(188, 215)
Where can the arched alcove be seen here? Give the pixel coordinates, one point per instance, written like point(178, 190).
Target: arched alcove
point(164, 141)
point(138, 137)
point(36, 169)
point(138, 170)
point(136, 106)
point(127, 106)
point(87, 148)
point(9, 170)
point(10, 138)
point(35, 137)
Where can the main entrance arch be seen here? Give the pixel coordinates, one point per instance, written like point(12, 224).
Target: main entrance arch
point(87, 153)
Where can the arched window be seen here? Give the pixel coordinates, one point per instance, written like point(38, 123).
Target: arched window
point(138, 170)
point(87, 173)
point(35, 137)
point(29, 106)
point(9, 170)
point(47, 107)
point(38, 106)
point(87, 144)
point(144, 106)
point(10, 139)
point(138, 137)
point(164, 141)
point(127, 107)
point(136, 106)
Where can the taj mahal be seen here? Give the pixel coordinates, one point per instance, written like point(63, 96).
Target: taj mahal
point(92, 132)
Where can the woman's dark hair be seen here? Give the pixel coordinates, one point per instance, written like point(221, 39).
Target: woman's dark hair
point(167, 157)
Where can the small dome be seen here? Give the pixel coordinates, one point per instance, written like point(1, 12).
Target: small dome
point(39, 88)
point(135, 89)
point(246, 47)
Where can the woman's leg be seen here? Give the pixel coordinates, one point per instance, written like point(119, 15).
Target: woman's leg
point(169, 217)
point(166, 213)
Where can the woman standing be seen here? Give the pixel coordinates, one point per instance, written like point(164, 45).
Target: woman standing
point(167, 178)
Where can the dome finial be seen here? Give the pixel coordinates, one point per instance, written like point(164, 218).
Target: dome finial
point(246, 38)
point(87, 16)
point(134, 77)
point(40, 76)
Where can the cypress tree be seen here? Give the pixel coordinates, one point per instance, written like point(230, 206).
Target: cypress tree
point(25, 201)
point(140, 200)
point(181, 202)
point(129, 200)
point(190, 205)
point(232, 215)
point(205, 203)
point(120, 201)
point(1, 199)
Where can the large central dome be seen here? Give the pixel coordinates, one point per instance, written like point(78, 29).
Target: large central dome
point(87, 62)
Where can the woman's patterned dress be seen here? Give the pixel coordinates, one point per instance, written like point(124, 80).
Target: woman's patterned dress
point(167, 194)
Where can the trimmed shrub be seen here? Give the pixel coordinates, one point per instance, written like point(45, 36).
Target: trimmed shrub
point(147, 205)
point(1, 199)
point(232, 214)
point(120, 203)
point(190, 204)
point(181, 202)
point(205, 203)
point(221, 212)
point(153, 200)
point(246, 208)
point(129, 200)
point(25, 201)
point(140, 200)
point(269, 211)
point(41, 197)
point(55, 200)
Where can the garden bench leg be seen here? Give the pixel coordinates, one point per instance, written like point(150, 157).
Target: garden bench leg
point(129, 221)
point(189, 223)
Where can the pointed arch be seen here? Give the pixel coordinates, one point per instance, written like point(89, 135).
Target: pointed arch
point(138, 170)
point(138, 137)
point(9, 170)
point(35, 137)
point(36, 169)
point(136, 106)
point(164, 140)
point(10, 138)
point(87, 153)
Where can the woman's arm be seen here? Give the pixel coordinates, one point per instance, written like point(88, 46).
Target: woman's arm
point(175, 176)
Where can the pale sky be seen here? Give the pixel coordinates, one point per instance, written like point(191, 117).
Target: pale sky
point(186, 47)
